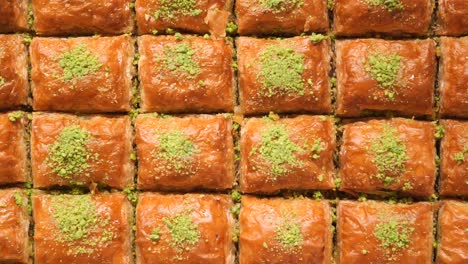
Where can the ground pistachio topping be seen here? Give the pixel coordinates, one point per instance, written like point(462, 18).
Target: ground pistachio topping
point(2, 81)
point(19, 199)
point(179, 59)
point(281, 70)
point(385, 69)
point(184, 232)
point(390, 5)
point(288, 234)
point(176, 149)
point(394, 235)
point(459, 157)
point(317, 148)
point(278, 6)
point(78, 62)
point(170, 9)
point(155, 234)
point(13, 116)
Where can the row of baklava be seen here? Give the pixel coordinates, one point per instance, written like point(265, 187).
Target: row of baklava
point(266, 17)
point(199, 152)
point(199, 228)
point(189, 74)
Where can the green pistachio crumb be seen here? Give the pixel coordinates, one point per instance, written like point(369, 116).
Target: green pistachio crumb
point(439, 132)
point(171, 9)
point(179, 60)
point(390, 5)
point(13, 116)
point(178, 36)
point(154, 31)
point(176, 148)
point(231, 28)
point(393, 235)
point(407, 186)
point(206, 36)
point(132, 194)
point(236, 196)
point(316, 148)
point(78, 62)
point(18, 199)
point(184, 232)
point(236, 209)
point(338, 182)
point(288, 234)
point(155, 235)
point(277, 6)
point(317, 38)
point(364, 252)
point(320, 178)
point(385, 69)
point(318, 195)
point(2, 81)
point(265, 245)
point(330, 4)
point(459, 157)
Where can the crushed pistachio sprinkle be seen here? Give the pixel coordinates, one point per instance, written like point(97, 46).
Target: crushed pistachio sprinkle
point(19, 199)
point(78, 62)
point(155, 234)
point(459, 157)
point(170, 9)
point(394, 235)
point(385, 69)
point(176, 148)
point(317, 148)
point(179, 59)
point(2, 81)
point(184, 232)
point(278, 6)
point(289, 234)
point(13, 116)
point(390, 5)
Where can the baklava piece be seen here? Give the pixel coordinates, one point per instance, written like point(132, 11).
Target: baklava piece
point(13, 16)
point(86, 74)
point(453, 77)
point(266, 17)
point(69, 150)
point(377, 232)
point(185, 153)
point(375, 76)
point(277, 230)
point(195, 16)
point(13, 148)
point(454, 159)
point(186, 74)
point(14, 227)
point(14, 86)
point(82, 228)
point(287, 154)
point(189, 229)
point(453, 233)
point(52, 17)
point(286, 75)
point(380, 156)
point(389, 17)
point(452, 17)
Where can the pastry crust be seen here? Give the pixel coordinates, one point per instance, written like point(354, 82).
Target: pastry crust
point(13, 16)
point(13, 150)
point(452, 17)
point(211, 165)
point(209, 215)
point(108, 89)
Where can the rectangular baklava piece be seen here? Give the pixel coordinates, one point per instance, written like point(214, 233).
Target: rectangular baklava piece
point(13, 16)
point(381, 156)
point(52, 17)
point(284, 75)
point(185, 153)
point(195, 16)
point(186, 74)
point(452, 17)
point(378, 232)
point(277, 231)
point(86, 74)
point(70, 150)
point(14, 226)
point(454, 159)
point(287, 154)
point(388, 17)
point(190, 229)
point(294, 17)
point(82, 228)
point(14, 86)
point(375, 76)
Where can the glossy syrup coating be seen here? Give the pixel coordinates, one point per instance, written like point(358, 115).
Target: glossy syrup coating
point(452, 17)
point(107, 151)
point(13, 150)
point(13, 16)
point(166, 164)
point(281, 230)
point(167, 85)
point(105, 88)
point(52, 17)
point(190, 229)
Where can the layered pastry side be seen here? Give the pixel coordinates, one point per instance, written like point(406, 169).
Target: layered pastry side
point(452, 17)
point(14, 16)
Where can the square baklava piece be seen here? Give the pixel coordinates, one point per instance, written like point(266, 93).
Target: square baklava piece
point(388, 17)
point(86, 74)
point(453, 77)
point(69, 150)
point(452, 17)
point(287, 154)
point(377, 232)
point(52, 17)
point(381, 156)
point(454, 159)
point(195, 16)
point(13, 16)
point(14, 86)
point(281, 230)
point(14, 165)
point(82, 228)
point(375, 76)
point(452, 233)
point(284, 75)
point(185, 153)
point(14, 227)
point(186, 74)
point(281, 17)
point(190, 229)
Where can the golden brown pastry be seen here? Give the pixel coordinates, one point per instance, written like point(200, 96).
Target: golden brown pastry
point(453, 77)
point(286, 75)
point(52, 17)
point(281, 17)
point(13, 16)
point(196, 16)
point(186, 74)
point(277, 231)
point(376, 232)
point(80, 150)
point(454, 159)
point(14, 86)
point(375, 75)
point(290, 153)
point(453, 235)
point(13, 150)
point(14, 227)
point(86, 74)
point(186, 153)
point(189, 229)
point(388, 155)
point(78, 229)
point(452, 17)
point(389, 17)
